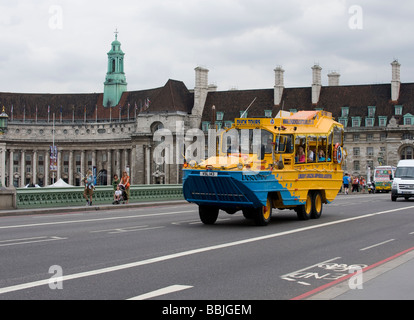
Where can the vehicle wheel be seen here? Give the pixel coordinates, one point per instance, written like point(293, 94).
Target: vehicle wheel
point(317, 205)
point(304, 211)
point(208, 214)
point(393, 198)
point(263, 214)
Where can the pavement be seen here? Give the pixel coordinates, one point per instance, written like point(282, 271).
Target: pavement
point(391, 279)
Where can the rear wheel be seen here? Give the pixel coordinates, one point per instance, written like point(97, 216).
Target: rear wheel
point(304, 211)
point(317, 205)
point(208, 214)
point(263, 214)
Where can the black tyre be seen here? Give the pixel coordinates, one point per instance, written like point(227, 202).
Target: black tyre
point(208, 214)
point(263, 214)
point(304, 211)
point(317, 205)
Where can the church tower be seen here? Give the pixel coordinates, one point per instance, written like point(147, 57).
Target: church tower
point(115, 82)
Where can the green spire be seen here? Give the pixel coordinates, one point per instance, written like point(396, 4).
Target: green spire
point(115, 82)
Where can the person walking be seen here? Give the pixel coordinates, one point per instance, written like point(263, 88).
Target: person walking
point(89, 187)
point(126, 184)
point(346, 181)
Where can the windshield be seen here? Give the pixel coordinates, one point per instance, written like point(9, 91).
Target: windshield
point(247, 141)
point(405, 173)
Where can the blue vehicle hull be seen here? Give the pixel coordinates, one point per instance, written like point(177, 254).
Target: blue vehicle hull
point(233, 189)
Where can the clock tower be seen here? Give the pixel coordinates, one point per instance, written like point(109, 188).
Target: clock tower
point(115, 82)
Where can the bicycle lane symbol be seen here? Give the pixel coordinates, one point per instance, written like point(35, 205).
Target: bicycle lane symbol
point(327, 271)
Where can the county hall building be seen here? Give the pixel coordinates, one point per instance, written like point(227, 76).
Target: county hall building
point(113, 131)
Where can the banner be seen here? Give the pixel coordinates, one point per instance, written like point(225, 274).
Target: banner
point(53, 158)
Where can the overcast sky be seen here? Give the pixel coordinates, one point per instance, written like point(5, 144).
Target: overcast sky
point(60, 46)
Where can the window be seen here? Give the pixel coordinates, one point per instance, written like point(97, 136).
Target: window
point(345, 112)
point(356, 122)
point(398, 110)
point(356, 137)
point(268, 113)
point(369, 122)
point(205, 126)
point(383, 136)
point(343, 121)
point(228, 124)
point(357, 165)
point(244, 114)
point(370, 137)
point(370, 151)
point(407, 136)
point(357, 151)
point(371, 111)
point(408, 119)
point(382, 121)
point(407, 153)
point(220, 116)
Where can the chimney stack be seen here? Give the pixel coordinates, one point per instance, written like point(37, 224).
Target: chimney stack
point(316, 83)
point(200, 90)
point(334, 79)
point(279, 85)
point(396, 81)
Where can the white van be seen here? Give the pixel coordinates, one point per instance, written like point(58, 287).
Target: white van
point(403, 183)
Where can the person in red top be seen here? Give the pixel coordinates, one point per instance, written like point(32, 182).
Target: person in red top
point(126, 184)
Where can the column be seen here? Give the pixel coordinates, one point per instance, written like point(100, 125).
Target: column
point(148, 164)
point(59, 165)
point(34, 174)
point(125, 156)
point(3, 165)
point(118, 163)
point(71, 167)
point(83, 172)
point(22, 169)
point(109, 168)
point(11, 163)
point(47, 167)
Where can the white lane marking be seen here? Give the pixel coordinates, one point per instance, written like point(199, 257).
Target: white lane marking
point(161, 292)
point(376, 245)
point(94, 220)
point(191, 252)
point(14, 242)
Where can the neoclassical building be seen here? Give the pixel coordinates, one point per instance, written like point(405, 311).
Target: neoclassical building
point(53, 136)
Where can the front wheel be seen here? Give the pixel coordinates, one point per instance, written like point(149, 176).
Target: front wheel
point(263, 214)
point(208, 214)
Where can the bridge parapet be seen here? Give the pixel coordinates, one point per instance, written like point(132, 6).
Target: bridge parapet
point(73, 196)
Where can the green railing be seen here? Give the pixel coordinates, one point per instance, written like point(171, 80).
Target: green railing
point(73, 196)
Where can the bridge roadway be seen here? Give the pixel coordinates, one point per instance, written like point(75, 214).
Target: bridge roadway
point(162, 251)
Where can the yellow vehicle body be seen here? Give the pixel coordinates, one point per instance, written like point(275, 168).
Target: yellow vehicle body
point(276, 174)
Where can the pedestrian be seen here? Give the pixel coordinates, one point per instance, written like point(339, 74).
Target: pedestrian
point(89, 187)
point(126, 184)
point(115, 181)
point(347, 181)
point(117, 195)
point(355, 184)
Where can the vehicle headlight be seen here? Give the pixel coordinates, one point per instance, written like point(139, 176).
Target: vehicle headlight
point(240, 166)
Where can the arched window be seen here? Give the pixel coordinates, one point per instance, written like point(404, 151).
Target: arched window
point(407, 153)
point(113, 65)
